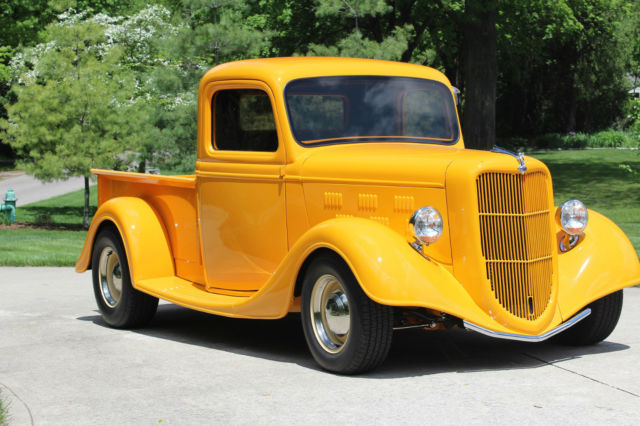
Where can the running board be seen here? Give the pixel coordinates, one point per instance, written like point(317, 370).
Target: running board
point(191, 295)
point(523, 337)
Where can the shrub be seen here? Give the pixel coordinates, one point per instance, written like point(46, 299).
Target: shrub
point(613, 139)
point(633, 112)
point(603, 139)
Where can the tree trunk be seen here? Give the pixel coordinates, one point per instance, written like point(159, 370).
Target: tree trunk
point(85, 219)
point(481, 73)
point(570, 125)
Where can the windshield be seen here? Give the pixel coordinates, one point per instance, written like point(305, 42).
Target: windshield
point(347, 109)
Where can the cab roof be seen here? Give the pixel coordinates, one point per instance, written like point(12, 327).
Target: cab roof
point(282, 70)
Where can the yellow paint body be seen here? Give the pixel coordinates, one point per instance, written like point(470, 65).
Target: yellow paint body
point(233, 238)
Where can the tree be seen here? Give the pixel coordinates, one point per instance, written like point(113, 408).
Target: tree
point(22, 22)
point(200, 34)
point(418, 31)
point(75, 107)
point(562, 64)
point(217, 31)
point(165, 88)
point(481, 73)
point(632, 29)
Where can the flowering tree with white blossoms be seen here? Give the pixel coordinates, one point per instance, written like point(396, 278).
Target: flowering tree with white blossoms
point(120, 92)
point(81, 104)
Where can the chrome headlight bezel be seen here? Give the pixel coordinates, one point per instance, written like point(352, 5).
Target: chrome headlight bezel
point(426, 225)
point(573, 217)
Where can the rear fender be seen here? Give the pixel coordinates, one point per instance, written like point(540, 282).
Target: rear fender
point(143, 235)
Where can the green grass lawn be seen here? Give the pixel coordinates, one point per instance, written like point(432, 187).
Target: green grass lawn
point(61, 211)
point(57, 244)
point(4, 412)
point(595, 178)
point(40, 247)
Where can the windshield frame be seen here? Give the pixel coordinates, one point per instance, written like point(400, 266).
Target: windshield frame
point(374, 139)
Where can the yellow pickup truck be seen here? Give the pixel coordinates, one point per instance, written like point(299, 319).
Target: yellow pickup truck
point(341, 189)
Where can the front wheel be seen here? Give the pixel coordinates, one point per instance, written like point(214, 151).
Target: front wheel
point(121, 305)
point(346, 332)
point(598, 326)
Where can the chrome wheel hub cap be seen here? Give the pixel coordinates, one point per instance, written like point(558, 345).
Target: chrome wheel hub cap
point(330, 315)
point(110, 276)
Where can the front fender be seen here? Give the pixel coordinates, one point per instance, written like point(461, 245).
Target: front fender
point(387, 268)
point(143, 235)
point(603, 262)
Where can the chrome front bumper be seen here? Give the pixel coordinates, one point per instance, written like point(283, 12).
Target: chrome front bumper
point(523, 337)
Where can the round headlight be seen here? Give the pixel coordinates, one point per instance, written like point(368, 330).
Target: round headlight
point(426, 224)
point(573, 217)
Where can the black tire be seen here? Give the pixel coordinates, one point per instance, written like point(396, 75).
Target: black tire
point(126, 307)
point(369, 324)
point(598, 326)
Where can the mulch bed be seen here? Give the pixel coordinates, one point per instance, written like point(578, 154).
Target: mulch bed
point(49, 227)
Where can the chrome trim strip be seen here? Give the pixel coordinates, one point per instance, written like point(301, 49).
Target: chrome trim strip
point(523, 337)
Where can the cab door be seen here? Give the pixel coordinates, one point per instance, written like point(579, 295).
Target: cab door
point(241, 197)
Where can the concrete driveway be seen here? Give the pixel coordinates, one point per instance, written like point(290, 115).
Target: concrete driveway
point(59, 364)
point(29, 190)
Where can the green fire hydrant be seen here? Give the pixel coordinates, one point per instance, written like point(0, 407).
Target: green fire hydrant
point(9, 206)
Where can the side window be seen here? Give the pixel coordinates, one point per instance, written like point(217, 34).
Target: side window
point(243, 121)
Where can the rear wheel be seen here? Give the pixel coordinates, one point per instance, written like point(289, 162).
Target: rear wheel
point(121, 305)
point(598, 326)
point(346, 332)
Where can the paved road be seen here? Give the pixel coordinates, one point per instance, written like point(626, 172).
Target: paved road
point(60, 364)
point(29, 190)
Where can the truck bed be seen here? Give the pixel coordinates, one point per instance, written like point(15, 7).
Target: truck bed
point(174, 200)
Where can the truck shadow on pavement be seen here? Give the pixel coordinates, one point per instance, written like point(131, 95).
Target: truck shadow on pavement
point(413, 352)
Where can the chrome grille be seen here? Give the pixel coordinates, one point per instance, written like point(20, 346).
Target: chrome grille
point(516, 240)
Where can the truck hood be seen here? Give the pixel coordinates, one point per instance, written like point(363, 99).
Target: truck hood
point(390, 163)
